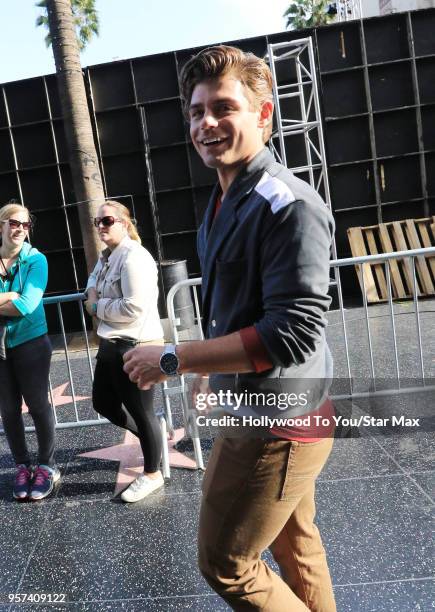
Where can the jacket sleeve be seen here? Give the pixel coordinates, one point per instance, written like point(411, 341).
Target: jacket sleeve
point(139, 290)
point(92, 280)
point(294, 266)
point(34, 285)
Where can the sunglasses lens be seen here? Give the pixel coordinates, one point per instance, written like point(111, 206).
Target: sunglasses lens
point(105, 221)
point(14, 224)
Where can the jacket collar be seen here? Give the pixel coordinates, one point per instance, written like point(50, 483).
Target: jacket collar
point(242, 185)
point(249, 176)
point(25, 251)
point(107, 253)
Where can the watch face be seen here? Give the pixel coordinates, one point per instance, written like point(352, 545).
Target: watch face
point(169, 363)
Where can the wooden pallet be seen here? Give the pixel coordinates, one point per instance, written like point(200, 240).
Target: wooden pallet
point(393, 237)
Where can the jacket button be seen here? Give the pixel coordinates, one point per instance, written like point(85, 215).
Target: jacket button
point(213, 323)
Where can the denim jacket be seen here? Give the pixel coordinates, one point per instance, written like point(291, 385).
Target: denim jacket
point(126, 284)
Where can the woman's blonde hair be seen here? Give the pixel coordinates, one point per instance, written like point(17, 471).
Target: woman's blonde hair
point(124, 214)
point(8, 210)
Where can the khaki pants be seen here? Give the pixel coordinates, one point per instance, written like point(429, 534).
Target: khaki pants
point(259, 494)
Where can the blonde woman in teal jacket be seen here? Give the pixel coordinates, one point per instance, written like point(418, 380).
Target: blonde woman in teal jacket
point(25, 354)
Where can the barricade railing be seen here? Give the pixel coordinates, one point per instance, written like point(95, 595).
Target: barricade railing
point(74, 418)
point(349, 371)
point(57, 301)
point(191, 429)
point(384, 259)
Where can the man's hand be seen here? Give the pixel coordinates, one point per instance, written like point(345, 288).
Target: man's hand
point(142, 364)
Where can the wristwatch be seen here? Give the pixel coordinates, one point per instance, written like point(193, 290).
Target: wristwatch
point(169, 362)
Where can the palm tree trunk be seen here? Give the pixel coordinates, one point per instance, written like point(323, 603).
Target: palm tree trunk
point(77, 124)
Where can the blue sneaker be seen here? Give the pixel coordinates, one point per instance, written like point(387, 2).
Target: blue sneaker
point(23, 477)
point(44, 478)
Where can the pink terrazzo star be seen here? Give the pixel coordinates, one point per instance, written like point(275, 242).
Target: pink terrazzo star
point(129, 455)
point(59, 399)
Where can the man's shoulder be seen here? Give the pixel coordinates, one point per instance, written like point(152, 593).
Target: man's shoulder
point(279, 187)
point(274, 192)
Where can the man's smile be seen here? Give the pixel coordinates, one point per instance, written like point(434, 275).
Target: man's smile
point(212, 141)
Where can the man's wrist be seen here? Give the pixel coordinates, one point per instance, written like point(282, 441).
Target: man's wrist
point(168, 362)
point(182, 361)
point(182, 353)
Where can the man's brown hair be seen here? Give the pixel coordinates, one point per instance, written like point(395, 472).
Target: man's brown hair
point(214, 62)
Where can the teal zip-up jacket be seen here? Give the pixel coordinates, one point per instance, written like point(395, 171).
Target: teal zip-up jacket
point(30, 274)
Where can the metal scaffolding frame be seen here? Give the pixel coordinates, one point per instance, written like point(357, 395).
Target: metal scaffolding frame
point(297, 60)
point(300, 83)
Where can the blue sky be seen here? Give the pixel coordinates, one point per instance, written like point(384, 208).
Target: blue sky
point(131, 28)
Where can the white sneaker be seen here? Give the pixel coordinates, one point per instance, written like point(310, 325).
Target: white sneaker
point(141, 487)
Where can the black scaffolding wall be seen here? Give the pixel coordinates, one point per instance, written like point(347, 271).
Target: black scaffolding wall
point(377, 86)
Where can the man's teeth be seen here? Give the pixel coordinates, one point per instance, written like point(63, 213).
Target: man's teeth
point(208, 141)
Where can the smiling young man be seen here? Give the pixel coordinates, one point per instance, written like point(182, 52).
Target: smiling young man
point(264, 248)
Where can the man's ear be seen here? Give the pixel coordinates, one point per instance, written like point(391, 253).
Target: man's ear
point(266, 114)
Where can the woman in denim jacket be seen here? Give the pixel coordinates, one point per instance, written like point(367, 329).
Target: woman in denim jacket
point(122, 294)
point(25, 354)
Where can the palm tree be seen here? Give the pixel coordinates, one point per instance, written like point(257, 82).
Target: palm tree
point(309, 13)
point(85, 18)
point(62, 18)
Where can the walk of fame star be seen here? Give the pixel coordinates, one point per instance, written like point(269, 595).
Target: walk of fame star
point(129, 452)
point(129, 455)
point(59, 399)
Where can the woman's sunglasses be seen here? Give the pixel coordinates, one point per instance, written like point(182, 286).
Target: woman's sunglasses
point(15, 224)
point(105, 221)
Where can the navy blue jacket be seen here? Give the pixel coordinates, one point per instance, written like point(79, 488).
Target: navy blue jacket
point(265, 262)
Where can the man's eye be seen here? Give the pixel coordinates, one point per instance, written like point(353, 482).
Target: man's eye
point(224, 108)
point(195, 114)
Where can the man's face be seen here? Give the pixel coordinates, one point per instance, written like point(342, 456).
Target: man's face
point(225, 128)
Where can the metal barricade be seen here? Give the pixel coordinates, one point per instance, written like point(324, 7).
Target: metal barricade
point(344, 345)
point(58, 301)
point(73, 416)
point(190, 426)
point(384, 259)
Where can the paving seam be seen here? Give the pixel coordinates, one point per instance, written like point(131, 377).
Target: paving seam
point(401, 469)
point(405, 473)
point(352, 584)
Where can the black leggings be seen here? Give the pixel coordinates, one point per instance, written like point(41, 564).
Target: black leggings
point(118, 399)
point(24, 374)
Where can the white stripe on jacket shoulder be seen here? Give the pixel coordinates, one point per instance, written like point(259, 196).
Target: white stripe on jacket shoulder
point(275, 191)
